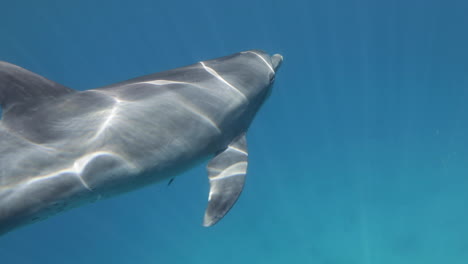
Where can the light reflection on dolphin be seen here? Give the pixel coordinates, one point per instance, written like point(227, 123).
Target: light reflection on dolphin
point(62, 148)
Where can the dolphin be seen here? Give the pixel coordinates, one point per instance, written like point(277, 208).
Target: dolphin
point(61, 148)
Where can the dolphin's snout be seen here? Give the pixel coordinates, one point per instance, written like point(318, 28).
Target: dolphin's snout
point(276, 61)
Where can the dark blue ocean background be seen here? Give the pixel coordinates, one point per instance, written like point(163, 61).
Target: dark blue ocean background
point(360, 156)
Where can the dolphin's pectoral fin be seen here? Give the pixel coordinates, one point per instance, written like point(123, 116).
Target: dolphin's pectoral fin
point(18, 85)
point(226, 172)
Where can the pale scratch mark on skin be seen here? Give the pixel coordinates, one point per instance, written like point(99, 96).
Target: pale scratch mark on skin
point(238, 150)
point(263, 59)
point(217, 76)
point(236, 169)
point(191, 108)
point(108, 122)
point(164, 82)
point(76, 169)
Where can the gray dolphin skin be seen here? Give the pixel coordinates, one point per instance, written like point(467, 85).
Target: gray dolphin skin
point(61, 148)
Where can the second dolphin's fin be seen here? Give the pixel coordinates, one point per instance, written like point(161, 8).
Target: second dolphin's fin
point(226, 172)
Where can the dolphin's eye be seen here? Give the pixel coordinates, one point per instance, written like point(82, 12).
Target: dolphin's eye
point(271, 75)
point(272, 78)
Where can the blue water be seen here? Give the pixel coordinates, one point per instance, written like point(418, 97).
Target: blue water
point(359, 157)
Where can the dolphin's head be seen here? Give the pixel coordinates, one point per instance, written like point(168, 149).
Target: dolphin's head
point(271, 64)
point(249, 73)
point(262, 68)
point(248, 78)
point(257, 74)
